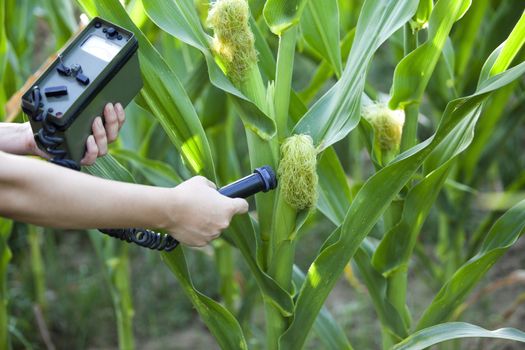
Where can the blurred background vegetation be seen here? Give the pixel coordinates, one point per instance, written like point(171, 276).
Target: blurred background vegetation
point(58, 282)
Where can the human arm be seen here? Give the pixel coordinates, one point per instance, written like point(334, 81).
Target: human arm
point(44, 194)
point(17, 138)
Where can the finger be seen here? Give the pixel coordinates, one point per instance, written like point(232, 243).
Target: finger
point(100, 136)
point(111, 122)
point(206, 182)
point(240, 206)
point(215, 235)
point(211, 184)
point(91, 151)
point(121, 116)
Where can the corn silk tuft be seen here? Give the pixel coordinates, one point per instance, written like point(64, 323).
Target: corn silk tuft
point(297, 172)
point(233, 41)
point(387, 123)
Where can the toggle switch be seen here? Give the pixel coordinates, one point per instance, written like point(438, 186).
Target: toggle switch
point(55, 91)
point(82, 79)
point(63, 70)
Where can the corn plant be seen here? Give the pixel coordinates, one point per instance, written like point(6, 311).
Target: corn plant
point(284, 132)
point(215, 71)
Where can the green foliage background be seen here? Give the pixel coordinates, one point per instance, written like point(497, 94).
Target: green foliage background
point(413, 232)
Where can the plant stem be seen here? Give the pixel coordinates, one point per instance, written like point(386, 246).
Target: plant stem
point(262, 152)
point(115, 262)
point(225, 264)
point(37, 265)
point(281, 251)
point(409, 136)
point(282, 247)
point(283, 80)
point(397, 280)
point(122, 300)
point(410, 39)
point(5, 257)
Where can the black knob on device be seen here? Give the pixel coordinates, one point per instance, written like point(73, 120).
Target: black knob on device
point(263, 179)
point(111, 32)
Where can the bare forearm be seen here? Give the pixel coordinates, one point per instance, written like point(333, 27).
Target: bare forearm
point(40, 193)
point(16, 138)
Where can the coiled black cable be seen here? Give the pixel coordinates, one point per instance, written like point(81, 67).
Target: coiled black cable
point(49, 140)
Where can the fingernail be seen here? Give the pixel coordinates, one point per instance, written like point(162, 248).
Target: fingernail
point(99, 122)
point(119, 106)
point(109, 106)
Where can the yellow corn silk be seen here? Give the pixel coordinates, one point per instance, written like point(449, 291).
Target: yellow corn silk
point(297, 172)
point(233, 41)
point(387, 124)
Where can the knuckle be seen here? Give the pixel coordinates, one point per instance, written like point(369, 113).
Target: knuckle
point(224, 224)
point(100, 134)
point(199, 178)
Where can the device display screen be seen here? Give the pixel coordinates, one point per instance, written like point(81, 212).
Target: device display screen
point(100, 48)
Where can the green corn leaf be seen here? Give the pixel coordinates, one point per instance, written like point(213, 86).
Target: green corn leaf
point(329, 332)
point(180, 19)
point(320, 29)
point(377, 286)
point(333, 116)
point(505, 232)
point(109, 168)
point(325, 71)
point(369, 204)
point(135, 8)
point(3, 58)
point(18, 19)
point(455, 330)
point(511, 47)
point(163, 93)
point(492, 115)
point(414, 71)
point(281, 15)
point(334, 200)
point(465, 35)
point(243, 236)
point(218, 319)
point(61, 18)
point(334, 191)
point(502, 57)
point(221, 323)
point(155, 171)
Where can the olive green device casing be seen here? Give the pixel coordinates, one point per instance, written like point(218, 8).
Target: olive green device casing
point(110, 72)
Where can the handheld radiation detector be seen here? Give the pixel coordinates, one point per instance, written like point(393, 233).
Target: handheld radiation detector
point(100, 65)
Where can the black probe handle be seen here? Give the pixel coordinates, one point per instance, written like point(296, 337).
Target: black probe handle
point(263, 179)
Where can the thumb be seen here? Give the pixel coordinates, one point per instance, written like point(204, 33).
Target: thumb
point(240, 206)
